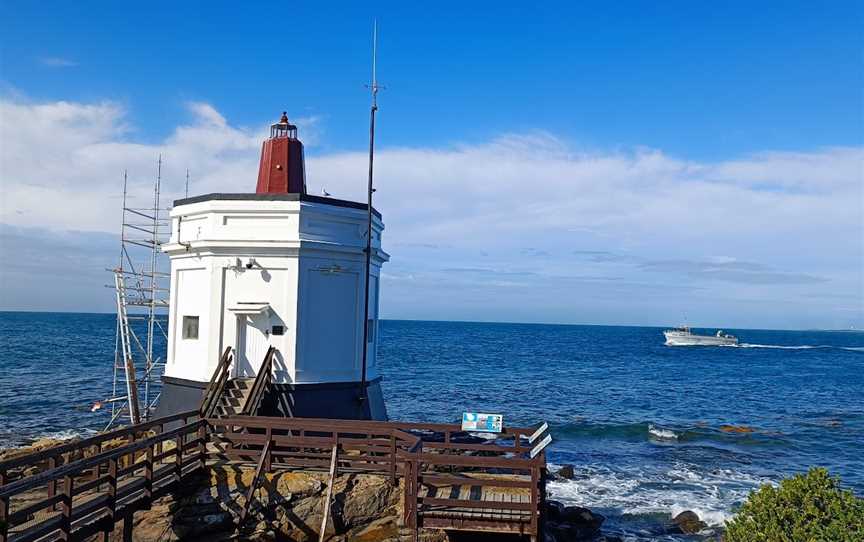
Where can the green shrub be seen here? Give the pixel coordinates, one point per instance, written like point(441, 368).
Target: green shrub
point(805, 508)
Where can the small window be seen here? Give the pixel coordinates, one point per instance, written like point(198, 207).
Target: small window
point(370, 333)
point(190, 327)
point(278, 330)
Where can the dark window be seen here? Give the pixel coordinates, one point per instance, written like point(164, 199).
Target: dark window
point(370, 337)
point(190, 327)
point(278, 330)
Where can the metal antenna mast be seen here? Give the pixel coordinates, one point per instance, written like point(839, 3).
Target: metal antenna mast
point(373, 88)
point(187, 182)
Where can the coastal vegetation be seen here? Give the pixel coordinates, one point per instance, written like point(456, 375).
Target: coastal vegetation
point(806, 507)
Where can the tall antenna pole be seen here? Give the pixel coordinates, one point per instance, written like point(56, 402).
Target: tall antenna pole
point(373, 88)
point(187, 182)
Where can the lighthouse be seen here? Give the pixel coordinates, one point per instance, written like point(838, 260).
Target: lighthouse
point(275, 270)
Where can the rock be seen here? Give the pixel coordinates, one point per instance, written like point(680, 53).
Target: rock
point(736, 429)
point(566, 523)
point(689, 522)
point(567, 472)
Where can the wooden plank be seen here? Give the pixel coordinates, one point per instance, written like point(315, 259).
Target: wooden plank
point(473, 504)
point(443, 479)
point(329, 496)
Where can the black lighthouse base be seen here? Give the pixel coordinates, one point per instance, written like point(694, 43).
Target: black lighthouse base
point(334, 400)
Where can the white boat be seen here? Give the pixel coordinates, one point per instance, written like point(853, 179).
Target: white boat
point(682, 336)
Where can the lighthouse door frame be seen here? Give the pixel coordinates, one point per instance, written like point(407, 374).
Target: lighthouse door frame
point(252, 341)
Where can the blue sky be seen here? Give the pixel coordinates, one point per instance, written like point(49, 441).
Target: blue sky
point(597, 163)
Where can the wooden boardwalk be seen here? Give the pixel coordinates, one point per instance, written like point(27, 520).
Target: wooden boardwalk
point(446, 485)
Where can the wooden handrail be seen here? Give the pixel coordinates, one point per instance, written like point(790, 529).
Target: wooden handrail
point(111, 503)
point(56, 451)
point(259, 387)
point(76, 468)
point(216, 385)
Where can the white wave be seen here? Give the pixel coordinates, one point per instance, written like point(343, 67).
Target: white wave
point(713, 495)
point(67, 434)
point(662, 434)
point(784, 347)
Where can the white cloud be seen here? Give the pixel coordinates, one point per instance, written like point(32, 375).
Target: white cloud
point(794, 212)
point(57, 62)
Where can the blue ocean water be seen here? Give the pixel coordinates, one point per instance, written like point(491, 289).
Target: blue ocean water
point(646, 426)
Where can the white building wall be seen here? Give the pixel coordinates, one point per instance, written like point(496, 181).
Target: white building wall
point(309, 269)
point(190, 290)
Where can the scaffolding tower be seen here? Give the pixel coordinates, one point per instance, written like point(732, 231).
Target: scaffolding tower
point(141, 287)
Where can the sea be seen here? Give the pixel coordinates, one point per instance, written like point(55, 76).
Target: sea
point(650, 430)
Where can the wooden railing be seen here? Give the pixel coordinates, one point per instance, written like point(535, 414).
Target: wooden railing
point(432, 459)
point(216, 386)
point(50, 458)
point(97, 491)
point(260, 385)
point(507, 486)
point(306, 443)
point(510, 501)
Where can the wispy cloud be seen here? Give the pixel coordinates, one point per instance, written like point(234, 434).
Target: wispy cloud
point(786, 223)
point(57, 62)
point(733, 271)
point(718, 268)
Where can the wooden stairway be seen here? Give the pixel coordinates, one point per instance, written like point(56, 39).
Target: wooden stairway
point(233, 397)
point(227, 397)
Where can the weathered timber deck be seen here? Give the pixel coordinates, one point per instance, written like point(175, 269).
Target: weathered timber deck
point(467, 486)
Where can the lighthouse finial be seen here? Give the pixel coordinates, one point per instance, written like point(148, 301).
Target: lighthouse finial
point(284, 119)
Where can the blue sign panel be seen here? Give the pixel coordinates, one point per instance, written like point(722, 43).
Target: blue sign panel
point(483, 423)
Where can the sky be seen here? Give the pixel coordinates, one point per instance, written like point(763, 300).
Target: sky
point(598, 163)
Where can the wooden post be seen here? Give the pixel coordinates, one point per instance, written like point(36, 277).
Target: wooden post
point(535, 496)
point(4, 510)
point(127, 526)
point(202, 446)
point(112, 499)
point(66, 509)
point(268, 459)
point(148, 476)
point(159, 430)
point(406, 494)
point(52, 484)
point(4, 515)
point(178, 459)
point(329, 495)
point(392, 458)
point(415, 486)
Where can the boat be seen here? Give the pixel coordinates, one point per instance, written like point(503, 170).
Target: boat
point(683, 336)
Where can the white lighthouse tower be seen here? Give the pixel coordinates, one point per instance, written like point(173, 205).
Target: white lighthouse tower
point(280, 268)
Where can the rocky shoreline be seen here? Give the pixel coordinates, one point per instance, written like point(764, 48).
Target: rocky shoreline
point(289, 505)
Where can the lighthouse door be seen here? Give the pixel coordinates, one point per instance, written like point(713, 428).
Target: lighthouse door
point(252, 343)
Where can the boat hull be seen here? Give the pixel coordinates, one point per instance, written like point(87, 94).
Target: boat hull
point(676, 338)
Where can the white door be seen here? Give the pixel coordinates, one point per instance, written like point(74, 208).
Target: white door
point(253, 340)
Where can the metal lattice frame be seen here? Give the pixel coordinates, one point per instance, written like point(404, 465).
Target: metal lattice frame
point(144, 289)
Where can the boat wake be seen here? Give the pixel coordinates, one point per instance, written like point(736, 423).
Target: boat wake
point(798, 347)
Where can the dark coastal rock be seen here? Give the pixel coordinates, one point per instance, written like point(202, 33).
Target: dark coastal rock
point(567, 472)
point(688, 522)
point(571, 523)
